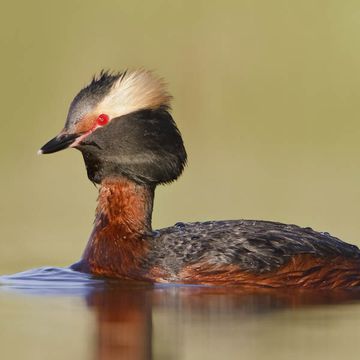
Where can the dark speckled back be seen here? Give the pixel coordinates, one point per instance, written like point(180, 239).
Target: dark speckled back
point(254, 246)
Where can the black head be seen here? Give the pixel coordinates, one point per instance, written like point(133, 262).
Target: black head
point(122, 125)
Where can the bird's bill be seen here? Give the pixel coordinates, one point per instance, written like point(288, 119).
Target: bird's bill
point(60, 142)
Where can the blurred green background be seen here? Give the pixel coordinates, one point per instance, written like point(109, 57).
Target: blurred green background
point(266, 94)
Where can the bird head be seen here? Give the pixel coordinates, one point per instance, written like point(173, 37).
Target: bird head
point(122, 125)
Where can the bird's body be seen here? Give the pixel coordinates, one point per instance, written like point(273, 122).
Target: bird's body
point(248, 253)
point(254, 253)
point(130, 144)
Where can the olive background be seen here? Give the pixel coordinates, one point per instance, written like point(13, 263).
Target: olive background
point(266, 94)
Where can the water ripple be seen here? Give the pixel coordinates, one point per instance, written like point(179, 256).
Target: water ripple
point(51, 280)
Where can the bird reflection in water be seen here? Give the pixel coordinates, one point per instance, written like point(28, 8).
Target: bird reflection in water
point(124, 311)
point(124, 324)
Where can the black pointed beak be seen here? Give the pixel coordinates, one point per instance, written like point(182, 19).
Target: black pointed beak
point(60, 142)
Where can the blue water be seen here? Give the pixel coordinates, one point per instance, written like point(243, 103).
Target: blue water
point(51, 281)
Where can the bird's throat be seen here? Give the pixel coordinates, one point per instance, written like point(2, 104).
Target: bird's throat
point(118, 243)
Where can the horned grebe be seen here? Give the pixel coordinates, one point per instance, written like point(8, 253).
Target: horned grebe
point(122, 125)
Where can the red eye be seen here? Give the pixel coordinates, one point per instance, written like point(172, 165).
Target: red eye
point(102, 119)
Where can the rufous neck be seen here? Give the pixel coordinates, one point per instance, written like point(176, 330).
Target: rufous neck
point(118, 243)
point(125, 204)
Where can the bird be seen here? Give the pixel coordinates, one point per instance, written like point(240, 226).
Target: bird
point(121, 122)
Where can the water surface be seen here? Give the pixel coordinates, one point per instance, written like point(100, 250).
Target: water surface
point(71, 315)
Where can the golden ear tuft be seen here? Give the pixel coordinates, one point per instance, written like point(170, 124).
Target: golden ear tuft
point(133, 91)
